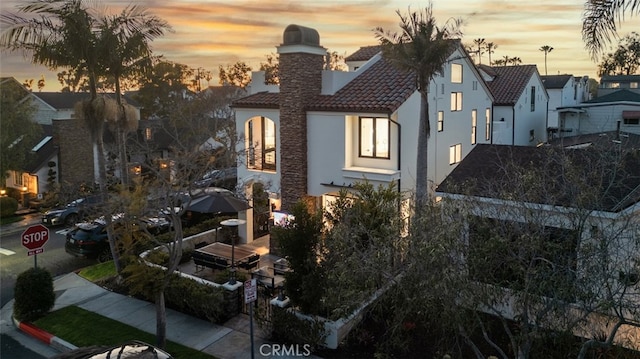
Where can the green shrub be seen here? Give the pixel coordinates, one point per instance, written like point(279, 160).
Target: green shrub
point(202, 301)
point(8, 206)
point(287, 327)
point(34, 295)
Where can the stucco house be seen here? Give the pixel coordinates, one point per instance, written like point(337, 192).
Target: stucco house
point(564, 90)
point(616, 111)
point(581, 196)
point(322, 130)
point(520, 105)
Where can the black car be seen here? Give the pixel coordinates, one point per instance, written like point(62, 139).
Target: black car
point(89, 239)
point(73, 212)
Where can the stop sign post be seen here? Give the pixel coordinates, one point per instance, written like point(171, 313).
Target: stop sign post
point(33, 238)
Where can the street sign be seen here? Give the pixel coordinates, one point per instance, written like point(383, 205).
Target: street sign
point(250, 291)
point(34, 237)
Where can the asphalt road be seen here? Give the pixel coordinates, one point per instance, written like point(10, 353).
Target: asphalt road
point(13, 261)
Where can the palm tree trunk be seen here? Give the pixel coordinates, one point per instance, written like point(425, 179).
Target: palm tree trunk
point(424, 131)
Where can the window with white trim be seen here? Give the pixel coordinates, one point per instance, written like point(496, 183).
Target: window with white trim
point(456, 73)
point(261, 144)
point(440, 121)
point(487, 124)
point(374, 137)
point(474, 126)
point(455, 154)
point(456, 101)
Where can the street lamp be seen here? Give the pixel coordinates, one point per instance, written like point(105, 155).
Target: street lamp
point(233, 223)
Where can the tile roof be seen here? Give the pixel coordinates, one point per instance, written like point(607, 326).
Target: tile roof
point(494, 171)
point(618, 96)
point(509, 82)
point(555, 81)
point(67, 100)
point(364, 53)
point(380, 88)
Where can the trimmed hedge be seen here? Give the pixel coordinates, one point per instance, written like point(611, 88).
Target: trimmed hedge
point(34, 295)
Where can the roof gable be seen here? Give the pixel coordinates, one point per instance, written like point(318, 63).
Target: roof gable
point(364, 53)
point(555, 81)
point(509, 82)
point(68, 100)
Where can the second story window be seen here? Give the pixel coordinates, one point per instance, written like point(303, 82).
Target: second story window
point(487, 124)
point(148, 134)
point(533, 98)
point(456, 101)
point(474, 126)
point(261, 144)
point(456, 73)
point(440, 121)
point(374, 133)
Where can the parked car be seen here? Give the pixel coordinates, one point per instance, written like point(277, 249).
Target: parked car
point(225, 178)
point(73, 212)
point(89, 239)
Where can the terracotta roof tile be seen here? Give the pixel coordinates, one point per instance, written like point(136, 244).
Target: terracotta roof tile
point(509, 82)
point(364, 53)
point(259, 100)
point(381, 88)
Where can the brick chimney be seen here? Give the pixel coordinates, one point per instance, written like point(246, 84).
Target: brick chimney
point(301, 63)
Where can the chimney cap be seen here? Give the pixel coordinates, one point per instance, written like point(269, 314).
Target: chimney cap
point(300, 35)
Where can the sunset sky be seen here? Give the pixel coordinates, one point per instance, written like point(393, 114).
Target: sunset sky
point(209, 33)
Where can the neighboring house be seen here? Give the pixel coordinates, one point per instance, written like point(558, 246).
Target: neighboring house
point(613, 83)
point(520, 106)
point(322, 130)
point(564, 90)
point(577, 194)
point(34, 179)
point(616, 111)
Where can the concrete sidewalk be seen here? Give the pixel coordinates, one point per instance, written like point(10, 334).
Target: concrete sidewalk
point(228, 341)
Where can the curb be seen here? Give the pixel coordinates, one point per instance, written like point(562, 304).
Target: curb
point(44, 336)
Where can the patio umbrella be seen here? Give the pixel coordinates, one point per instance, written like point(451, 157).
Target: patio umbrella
point(217, 200)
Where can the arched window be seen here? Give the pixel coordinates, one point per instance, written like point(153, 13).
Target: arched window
point(261, 143)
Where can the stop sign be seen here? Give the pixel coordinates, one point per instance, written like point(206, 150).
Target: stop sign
point(35, 236)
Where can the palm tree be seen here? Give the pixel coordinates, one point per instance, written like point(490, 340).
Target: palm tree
point(600, 19)
point(515, 60)
point(124, 45)
point(480, 45)
point(547, 49)
point(422, 47)
point(491, 48)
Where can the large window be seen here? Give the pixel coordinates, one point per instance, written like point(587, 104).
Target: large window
point(374, 137)
point(455, 154)
point(456, 101)
point(456, 73)
point(261, 144)
point(487, 124)
point(440, 121)
point(474, 126)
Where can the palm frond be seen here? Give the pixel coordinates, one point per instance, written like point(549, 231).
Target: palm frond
point(601, 19)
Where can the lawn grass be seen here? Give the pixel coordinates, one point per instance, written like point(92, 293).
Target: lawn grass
point(98, 271)
point(83, 328)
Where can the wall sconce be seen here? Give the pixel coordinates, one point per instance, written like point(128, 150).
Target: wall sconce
point(163, 165)
point(3, 192)
point(24, 188)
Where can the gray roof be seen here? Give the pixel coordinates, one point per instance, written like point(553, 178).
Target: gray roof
point(555, 81)
point(618, 96)
point(499, 171)
point(67, 100)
